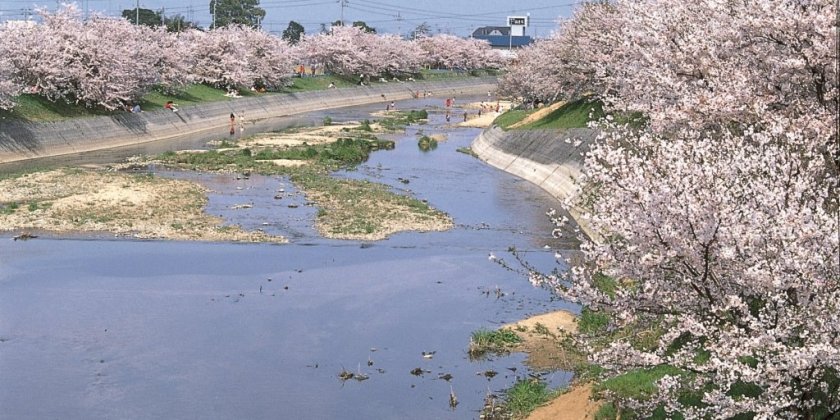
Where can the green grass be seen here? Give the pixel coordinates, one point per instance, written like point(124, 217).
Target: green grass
point(191, 95)
point(592, 322)
point(428, 74)
point(400, 119)
point(485, 341)
point(306, 84)
point(607, 411)
point(9, 208)
point(426, 143)
point(605, 284)
point(526, 395)
point(467, 151)
point(341, 153)
point(637, 384)
point(512, 117)
point(439, 74)
point(348, 208)
point(38, 108)
point(574, 114)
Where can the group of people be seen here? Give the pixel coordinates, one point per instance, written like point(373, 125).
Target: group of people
point(418, 94)
point(488, 107)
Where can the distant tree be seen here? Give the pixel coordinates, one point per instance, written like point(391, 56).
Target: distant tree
point(422, 29)
point(236, 12)
point(147, 17)
point(452, 52)
point(154, 18)
point(293, 33)
point(364, 27)
point(179, 23)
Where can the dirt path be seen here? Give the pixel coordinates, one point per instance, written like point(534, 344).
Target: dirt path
point(575, 404)
point(536, 116)
point(541, 339)
point(541, 336)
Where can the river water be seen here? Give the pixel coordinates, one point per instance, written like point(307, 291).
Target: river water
point(94, 328)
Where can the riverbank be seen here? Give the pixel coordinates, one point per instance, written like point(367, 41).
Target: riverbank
point(22, 140)
point(551, 159)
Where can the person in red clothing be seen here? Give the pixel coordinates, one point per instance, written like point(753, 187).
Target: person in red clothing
point(171, 106)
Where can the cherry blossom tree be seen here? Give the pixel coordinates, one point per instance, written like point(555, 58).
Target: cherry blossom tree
point(391, 56)
point(350, 51)
point(452, 52)
point(101, 62)
point(569, 64)
point(343, 51)
point(9, 87)
point(239, 56)
point(719, 218)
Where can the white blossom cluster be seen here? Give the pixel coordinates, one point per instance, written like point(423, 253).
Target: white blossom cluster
point(110, 63)
point(719, 218)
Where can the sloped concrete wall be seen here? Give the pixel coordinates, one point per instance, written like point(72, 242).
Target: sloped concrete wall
point(20, 140)
point(551, 159)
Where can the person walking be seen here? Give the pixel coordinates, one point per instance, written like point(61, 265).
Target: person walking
point(232, 124)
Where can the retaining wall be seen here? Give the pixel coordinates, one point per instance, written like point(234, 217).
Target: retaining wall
point(547, 158)
point(21, 140)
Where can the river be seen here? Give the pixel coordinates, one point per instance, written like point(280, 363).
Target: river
point(97, 328)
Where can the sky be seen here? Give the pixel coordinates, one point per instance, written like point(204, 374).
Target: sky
point(458, 17)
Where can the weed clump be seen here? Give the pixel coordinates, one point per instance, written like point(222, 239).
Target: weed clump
point(426, 143)
point(485, 341)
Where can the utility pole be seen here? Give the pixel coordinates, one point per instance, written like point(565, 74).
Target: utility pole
point(399, 25)
point(342, 3)
point(214, 13)
point(137, 11)
point(163, 16)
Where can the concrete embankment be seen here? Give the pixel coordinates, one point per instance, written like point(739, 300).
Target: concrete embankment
point(551, 159)
point(22, 140)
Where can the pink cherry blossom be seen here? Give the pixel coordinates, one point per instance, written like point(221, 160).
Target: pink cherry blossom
point(719, 217)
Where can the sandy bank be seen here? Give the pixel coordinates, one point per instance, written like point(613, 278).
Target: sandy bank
point(122, 204)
